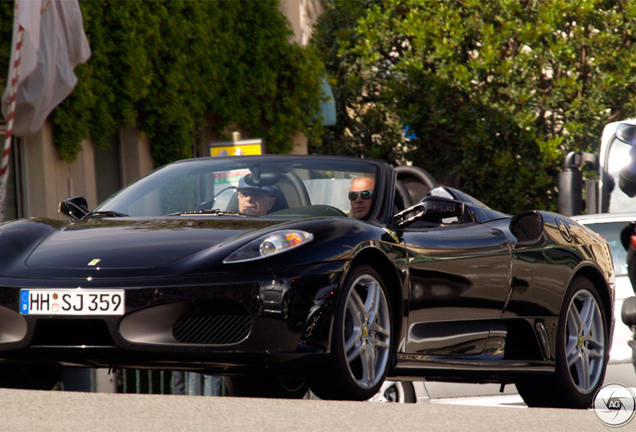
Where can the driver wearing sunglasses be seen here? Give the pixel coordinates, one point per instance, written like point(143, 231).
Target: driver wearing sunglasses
point(361, 196)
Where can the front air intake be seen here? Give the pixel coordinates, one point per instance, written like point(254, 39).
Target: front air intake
point(215, 322)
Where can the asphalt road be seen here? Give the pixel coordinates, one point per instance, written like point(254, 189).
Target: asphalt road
point(56, 411)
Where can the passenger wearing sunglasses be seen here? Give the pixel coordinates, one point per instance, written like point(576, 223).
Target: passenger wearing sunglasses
point(361, 196)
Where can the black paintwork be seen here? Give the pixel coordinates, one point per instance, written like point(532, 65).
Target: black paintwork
point(466, 296)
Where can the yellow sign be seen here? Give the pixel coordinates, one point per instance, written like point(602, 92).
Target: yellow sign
point(235, 150)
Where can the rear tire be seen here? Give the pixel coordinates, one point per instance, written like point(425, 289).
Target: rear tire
point(361, 340)
point(581, 353)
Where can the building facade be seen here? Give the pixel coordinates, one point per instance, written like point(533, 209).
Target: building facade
point(39, 179)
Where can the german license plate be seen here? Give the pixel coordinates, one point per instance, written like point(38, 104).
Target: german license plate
point(71, 302)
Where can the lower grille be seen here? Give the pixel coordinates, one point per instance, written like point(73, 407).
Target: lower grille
point(71, 332)
point(218, 322)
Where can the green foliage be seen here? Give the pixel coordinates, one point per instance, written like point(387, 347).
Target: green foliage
point(166, 67)
point(494, 93)
point(6, 29)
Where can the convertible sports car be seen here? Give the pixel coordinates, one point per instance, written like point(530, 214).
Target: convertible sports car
point(428, 284)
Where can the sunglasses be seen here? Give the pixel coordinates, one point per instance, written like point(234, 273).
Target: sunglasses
point(366, 195)
point(256, 194)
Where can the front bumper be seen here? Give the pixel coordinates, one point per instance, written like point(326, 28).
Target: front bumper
point(206, 322)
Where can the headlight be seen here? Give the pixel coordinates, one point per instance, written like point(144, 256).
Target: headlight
point(270, 244)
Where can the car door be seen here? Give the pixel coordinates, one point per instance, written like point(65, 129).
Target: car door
point(459, 281)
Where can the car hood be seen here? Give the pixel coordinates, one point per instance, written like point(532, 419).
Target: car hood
point(133, 243)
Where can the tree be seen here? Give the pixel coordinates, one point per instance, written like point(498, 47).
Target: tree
point(171, 68)
point(487, 96)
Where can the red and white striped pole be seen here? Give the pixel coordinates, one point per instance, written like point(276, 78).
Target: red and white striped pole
point(14, 75)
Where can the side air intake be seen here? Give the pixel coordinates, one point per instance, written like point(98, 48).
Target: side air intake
point(527, 226)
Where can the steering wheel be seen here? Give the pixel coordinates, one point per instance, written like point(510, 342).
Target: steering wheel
point(207, 205)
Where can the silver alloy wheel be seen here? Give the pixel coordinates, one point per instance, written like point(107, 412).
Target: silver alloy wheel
point(585, 341)
point(367, 331)
point(395, 392)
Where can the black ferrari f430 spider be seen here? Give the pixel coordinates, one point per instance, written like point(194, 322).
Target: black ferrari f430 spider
point(348, 272)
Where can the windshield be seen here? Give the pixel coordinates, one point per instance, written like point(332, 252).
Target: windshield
point(300, 187)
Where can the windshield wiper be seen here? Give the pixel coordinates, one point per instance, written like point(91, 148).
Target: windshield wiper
point(213, 212)
point(105, 213)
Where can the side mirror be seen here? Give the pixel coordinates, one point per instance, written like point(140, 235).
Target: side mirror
point(76, 207)
point(430, 208)
point(627, 180)
point(627, 176)
point(626, 133)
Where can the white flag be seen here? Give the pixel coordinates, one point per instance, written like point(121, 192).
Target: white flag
point(54, 43)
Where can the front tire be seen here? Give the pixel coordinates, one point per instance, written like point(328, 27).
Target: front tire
point(581, 353)
point(361, 340)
